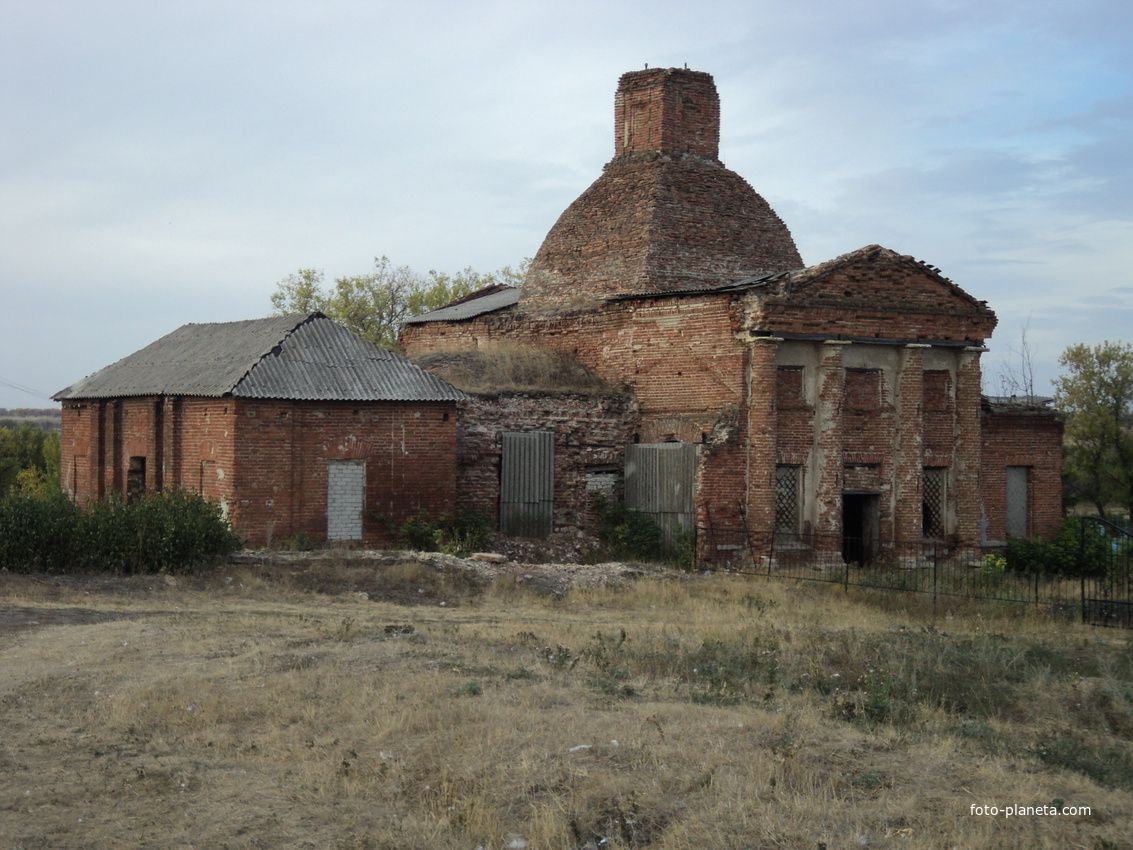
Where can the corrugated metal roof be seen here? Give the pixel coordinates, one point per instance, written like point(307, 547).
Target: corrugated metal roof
point(468, 309)
point(301, 357)
point(321, 360)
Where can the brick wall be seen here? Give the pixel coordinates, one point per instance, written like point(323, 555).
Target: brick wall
point(678, 355)
point(282, 450)
point(80, 448)
point(1027, 436)
point(667, 109)
point(266, 461)
point(872, 292)
point(591, 433)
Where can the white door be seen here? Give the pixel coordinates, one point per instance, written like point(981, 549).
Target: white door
point(346, 493)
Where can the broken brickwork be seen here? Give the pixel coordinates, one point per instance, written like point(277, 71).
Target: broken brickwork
point(590, 436)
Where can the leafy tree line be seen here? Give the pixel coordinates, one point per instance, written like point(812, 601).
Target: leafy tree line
point(1096, 396)
point(374, 305)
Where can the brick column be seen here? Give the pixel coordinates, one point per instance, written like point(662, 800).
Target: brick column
point(966, 474)
point(828, 453)
point(98, 451)
point(115, 477)
point(908, 455)
point(171, 442)
point(762, 428)
point(155, 445)
point(95, 472)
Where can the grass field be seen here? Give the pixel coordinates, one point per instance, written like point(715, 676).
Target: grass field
point(294, 708)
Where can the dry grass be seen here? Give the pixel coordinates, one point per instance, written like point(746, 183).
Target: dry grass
point(510, 367)
point(254, 709)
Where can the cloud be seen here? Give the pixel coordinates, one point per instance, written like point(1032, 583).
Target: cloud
point(169, 162)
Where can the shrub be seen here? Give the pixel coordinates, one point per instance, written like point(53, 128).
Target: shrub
point(993, 569)
point(167, 531)
point(1075, 550)
point(629, 533)
point(38, 532)
point(468, 530)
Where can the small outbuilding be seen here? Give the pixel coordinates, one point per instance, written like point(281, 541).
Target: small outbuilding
point(297, 426)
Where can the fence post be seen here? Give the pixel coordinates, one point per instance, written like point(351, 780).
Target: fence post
point(935, 567)
point(1082, 565)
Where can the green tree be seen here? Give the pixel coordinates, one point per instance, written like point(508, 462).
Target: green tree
point(301, 292)
point(29, 458)
point(374, 305)
point(1096, 396)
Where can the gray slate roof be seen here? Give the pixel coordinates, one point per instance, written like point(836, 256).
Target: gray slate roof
point(469, 308)
point(300, 357)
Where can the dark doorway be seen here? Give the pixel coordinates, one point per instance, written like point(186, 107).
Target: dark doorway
point(136, 477)
point(861, 514)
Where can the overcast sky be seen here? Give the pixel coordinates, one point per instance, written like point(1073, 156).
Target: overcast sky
point(169, 162)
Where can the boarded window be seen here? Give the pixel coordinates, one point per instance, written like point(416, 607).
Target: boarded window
point(789, 388)
point(527, 483)
point(932, 503)
point(863, 389)
point(346, 494)
point(937, 390)
point(1018, 484)
point(788, 481)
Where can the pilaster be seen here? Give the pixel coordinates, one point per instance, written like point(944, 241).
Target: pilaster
point(966, 475)
point(828, 444)
point(908, 463)
point(762, 431)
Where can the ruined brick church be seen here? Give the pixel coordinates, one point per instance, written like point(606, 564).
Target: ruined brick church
point(754, 403)
point(836, 406)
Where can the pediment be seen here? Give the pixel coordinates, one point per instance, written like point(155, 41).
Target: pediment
point(878, 278)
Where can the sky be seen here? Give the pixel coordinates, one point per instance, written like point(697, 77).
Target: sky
point(164, 163)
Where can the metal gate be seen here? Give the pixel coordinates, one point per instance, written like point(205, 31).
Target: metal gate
point(527, 483)
point(661, 482)
point(1105, 564)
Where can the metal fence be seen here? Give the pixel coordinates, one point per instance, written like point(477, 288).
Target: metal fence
point(1105, 563)
point(1098, 589)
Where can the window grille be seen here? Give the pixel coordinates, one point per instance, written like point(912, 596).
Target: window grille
point(787, 480)
point(932, 525)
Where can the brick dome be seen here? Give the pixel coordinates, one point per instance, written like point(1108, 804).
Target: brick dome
point(665, 215)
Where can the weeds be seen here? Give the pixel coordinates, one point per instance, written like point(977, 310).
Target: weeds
point(467, 531)
point(1108, 764)
point(626, 533)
